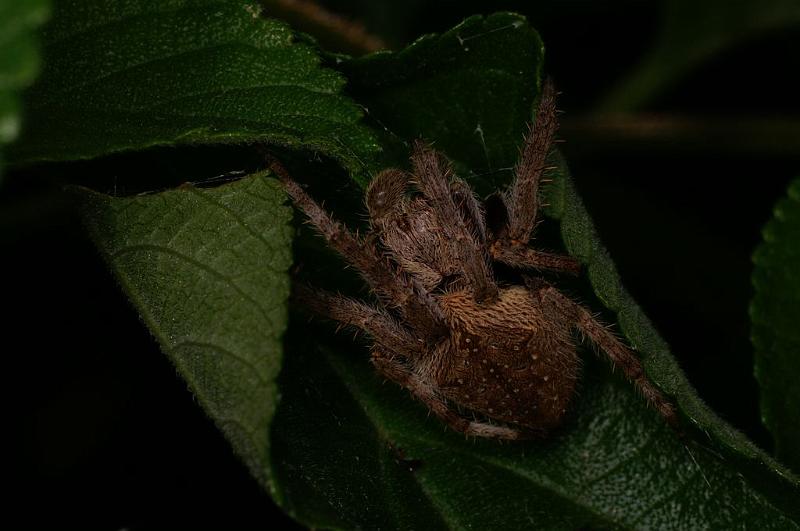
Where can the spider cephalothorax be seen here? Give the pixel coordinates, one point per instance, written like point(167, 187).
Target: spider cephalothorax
point(490, 360)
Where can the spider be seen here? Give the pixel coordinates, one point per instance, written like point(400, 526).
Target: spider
point(488, 359)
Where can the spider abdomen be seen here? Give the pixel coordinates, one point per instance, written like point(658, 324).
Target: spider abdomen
point(506, 360)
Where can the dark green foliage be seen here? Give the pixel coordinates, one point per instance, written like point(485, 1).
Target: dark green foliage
point(133, 74)
point(207, 270)
point(775, 313)
point(19, 60)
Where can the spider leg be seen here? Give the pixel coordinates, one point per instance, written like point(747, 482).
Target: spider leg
point(620, 355)
point(399, 373)
point(433, 172)
point(523, 257)
point(383, 328)
point(522, 199)
point(408, 229)
point(470, 209)
point(418, 307)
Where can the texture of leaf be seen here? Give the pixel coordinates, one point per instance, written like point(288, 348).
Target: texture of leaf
point(693, 32)
point(349, 452)
point(476, 78)
point(207, 271)
point(126, 75)
point(19, 59)
point(775, 314)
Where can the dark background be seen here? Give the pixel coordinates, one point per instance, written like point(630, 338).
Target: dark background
point(104, 433)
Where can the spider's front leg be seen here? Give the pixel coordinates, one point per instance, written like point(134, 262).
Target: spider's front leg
point(521, 200)
point(458, 239)
point(400, 373)
point(382, 327)
point(395, 289)
point(620, 355)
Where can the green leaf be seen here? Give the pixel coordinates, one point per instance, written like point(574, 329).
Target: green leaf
point(19, 59)
point(475, 79)
point(350, 452)
point(691, 33)
point(775, 314)
point(207, 271)
point(127, 75)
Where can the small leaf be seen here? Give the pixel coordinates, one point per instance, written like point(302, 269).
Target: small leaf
point(130, 75)
point(775, 315)
point(352, 453)
point(207, 271)
point(693, 32)
point(19, 59)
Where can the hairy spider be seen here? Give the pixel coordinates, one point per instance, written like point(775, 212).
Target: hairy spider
point(446, 330)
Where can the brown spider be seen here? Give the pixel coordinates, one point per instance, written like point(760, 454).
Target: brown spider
point(446, 330)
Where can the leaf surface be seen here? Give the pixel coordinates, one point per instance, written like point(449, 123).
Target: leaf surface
point(19, 59)
point(127, 75)
point(467, 90)
point(350, 452)
point(775, 314)
point(207, 271)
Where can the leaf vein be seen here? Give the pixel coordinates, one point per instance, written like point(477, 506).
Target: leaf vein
point(143, 247)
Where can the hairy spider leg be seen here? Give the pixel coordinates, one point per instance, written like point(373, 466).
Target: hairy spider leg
point(433, 172)
point(523, 257)
point(418, 307)
point(521, 200)
point(620, 355)
point(408, 228)
point(382, 327)
point(470, 208)
point(522, 197)
point(420, 388)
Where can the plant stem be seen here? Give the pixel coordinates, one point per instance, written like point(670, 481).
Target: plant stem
point(745, 134)
point(335, 32)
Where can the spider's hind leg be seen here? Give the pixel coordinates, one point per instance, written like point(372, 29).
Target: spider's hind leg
point(620, 355)
point(400, 373)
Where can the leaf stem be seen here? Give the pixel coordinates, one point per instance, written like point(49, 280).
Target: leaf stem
point(334, 31)
point(744, 134)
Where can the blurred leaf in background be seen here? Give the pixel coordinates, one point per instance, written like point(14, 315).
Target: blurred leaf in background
point(19, 60)
point(692, 33)
point(775, 313)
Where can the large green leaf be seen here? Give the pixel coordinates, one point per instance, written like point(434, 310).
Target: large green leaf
point(691, 33)
point(775, 314)
point(475, 78)
point(126, 75)
point(350, 452)
point(19, 59)
point(207, 270)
